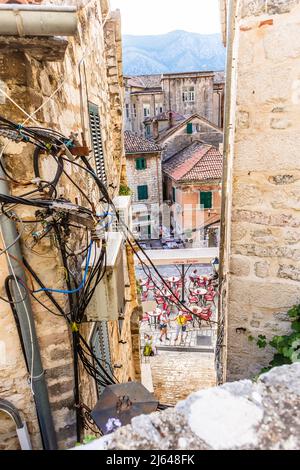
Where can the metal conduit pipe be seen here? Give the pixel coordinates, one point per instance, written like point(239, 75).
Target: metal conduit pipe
point(28, 331)
point(22, 431)
point(37, 20)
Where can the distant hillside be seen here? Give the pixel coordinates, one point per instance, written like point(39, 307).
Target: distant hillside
point(178, 51)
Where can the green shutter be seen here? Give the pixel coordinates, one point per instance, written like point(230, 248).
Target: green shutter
point(142, 192)
point(206, 199)
point(189, 128)
point(174, 194)
point(140, 163)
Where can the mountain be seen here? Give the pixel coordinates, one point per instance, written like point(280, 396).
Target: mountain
point(177, 51)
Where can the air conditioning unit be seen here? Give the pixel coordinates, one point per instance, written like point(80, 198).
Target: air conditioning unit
point(108, 301)
point(124, 210)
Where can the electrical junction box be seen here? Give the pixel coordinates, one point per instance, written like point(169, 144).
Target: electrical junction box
point(124, 209)
point(108, 301)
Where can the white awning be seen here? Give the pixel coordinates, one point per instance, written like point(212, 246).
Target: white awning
point(180, 256)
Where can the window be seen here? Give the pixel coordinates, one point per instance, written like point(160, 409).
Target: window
point(206, 199)
point(174, 194)
point(146, 108)
point(134, 110)
point(127, 111)
point(189, 128)
point(100, 346)
point(141, 163)
point(95, 128)
point(158, 109)
point(142, 192)
point(148, 131)
point(188, 94)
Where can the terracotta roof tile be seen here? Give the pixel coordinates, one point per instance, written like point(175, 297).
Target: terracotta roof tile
point(197, 162)
point(137, 144)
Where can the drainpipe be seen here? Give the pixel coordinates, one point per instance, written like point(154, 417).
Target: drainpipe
point(21, 427)
point(230, 66)
point(28, 331)
point(37, 20)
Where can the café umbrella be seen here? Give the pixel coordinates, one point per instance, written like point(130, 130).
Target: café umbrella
point(119, 403)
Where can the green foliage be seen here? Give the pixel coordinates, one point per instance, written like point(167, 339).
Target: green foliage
point(261, 341)
point(287, 346)
point(86, 440)
point(124, 190)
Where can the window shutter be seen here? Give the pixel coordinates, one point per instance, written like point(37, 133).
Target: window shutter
point(95, 127)
point(142, 192)
point(206, 199)
point(189, 128)
point(174, 194)
point(140, 164)
point(101, 349)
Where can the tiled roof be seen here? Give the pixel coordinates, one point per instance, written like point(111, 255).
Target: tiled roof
point(137, 144)
point(197, 162)
point(176, 117)
point(166, 133)
point(146, 81)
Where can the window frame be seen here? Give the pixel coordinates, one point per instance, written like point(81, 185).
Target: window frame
point(188, 94)
point(204, 194)
point(139, 189)
point(140, 163)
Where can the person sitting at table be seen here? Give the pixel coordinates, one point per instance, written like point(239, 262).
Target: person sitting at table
point(163, 326)
point(181, 322)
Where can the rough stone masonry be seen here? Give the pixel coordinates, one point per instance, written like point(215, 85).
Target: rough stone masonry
point(262, 415)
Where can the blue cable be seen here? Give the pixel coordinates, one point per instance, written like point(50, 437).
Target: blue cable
point(58, 291)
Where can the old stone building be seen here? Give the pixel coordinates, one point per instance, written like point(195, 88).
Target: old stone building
point(144, 173)
point(73, 86)
point(260, 246)
point(148, 96)
point(192, 182)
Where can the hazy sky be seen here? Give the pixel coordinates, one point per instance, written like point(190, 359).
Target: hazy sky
point(161, 16)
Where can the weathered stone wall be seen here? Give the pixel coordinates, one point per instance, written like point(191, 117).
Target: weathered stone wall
point(138, 100)
point(177, 374)
point(173, 86)
point(263, 176)
point(236, 416)
point(30, 83)
point(151, 176)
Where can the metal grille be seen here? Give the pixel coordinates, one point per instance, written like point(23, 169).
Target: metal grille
point(95, 126)
point(100, 346)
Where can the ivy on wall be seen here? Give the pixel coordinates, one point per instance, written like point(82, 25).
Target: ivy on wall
point(287, 347)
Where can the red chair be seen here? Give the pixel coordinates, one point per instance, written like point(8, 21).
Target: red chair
point(210, 297)
point(205, 316)
point(146, 318)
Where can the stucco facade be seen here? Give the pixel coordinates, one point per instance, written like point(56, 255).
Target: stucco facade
point(260, 246)
point(93, 61)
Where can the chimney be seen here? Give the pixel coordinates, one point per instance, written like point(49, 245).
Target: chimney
point(155, 128)
point(171, 119)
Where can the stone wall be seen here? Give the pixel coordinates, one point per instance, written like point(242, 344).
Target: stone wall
point(173, 85)
point(236, 416)
point(93, 59)
point(261, 248)
point(177, 374)
point(151, 176)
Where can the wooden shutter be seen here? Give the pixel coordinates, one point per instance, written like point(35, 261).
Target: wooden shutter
point(142, 192)
point(95, 127)
point(206, 199)
point(189, 128)
point(101, 349)
point(140, 164)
